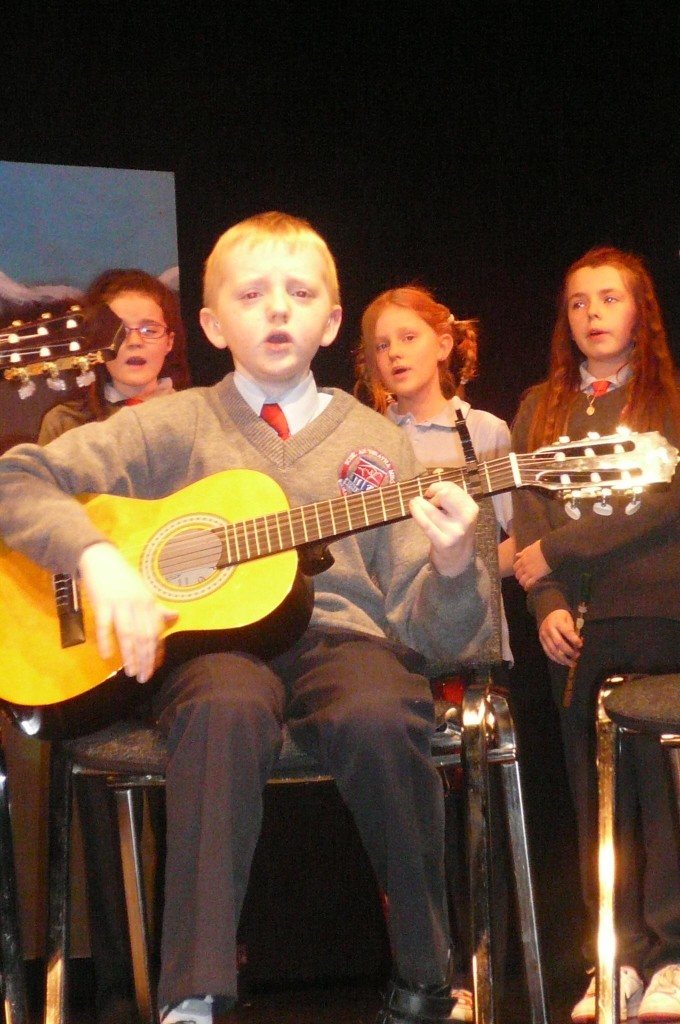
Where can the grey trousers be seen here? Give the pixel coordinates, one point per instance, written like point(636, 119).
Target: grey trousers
point(363, 708)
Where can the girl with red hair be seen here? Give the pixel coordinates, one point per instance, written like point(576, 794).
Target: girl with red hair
point(414, 360)
point(613, 564)
point(412, 365)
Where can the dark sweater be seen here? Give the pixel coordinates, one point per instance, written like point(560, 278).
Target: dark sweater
point(633, 560)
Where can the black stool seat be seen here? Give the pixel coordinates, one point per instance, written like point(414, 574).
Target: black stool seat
point(123, 748)
point(131, 756)
point(128, 749)
point(131, 748)
point(649, 704)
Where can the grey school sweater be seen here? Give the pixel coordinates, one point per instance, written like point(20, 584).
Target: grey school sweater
point(381, 583)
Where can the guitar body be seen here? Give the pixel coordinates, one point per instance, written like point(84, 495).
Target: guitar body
point(261, 605)
point(235, 581)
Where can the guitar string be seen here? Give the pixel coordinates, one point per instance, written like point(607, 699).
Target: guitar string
point(290, 528)
point(331, 512)
point(256, 534)
point(302, 524)
point(48, 323)
point(48, 333)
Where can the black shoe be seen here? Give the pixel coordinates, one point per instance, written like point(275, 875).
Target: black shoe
point(405, 1005)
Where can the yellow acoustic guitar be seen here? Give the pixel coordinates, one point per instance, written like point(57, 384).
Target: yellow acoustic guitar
point(235, 580)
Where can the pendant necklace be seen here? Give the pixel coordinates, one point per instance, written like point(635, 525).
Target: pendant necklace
point(599, 388)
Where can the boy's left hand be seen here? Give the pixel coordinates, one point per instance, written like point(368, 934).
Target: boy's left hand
point(447, 516)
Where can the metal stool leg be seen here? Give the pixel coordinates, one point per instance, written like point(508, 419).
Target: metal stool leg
point(674, 755)
point(475, 767)
point(506, 750)
point(58, 868)
point(135, 903)
point(607, 974)
point(12, 962)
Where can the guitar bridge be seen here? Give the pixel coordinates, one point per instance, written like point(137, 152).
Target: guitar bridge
point(69, 612)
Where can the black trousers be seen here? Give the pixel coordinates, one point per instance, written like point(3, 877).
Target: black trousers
point(648, 846)
point(363, 708)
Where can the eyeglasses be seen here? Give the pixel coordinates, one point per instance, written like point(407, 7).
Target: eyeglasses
point(148, 332)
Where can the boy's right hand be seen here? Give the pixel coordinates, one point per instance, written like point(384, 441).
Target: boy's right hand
point(123, 605)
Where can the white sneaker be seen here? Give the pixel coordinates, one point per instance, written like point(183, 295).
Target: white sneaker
point(462, 1011)
point(631, 988)
point(661, 1001)
point(189, 1011)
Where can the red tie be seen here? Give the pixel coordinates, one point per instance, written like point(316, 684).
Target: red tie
point(272, 414)
point(134, 401)
point(599, 388)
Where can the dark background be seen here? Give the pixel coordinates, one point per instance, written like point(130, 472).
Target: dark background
point(478, 148)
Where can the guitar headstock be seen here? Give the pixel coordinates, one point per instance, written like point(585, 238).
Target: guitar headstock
point(594, 466)
point(54, 344)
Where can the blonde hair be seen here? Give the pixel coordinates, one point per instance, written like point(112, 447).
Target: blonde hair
point(264, 227)
point(454, 372)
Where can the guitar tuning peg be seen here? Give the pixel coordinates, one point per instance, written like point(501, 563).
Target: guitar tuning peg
point(602, 507)
point(633, 505)
point(593, 434)
point(54, 380)
point(572, 509)
point(26, 385)
point(86, 375)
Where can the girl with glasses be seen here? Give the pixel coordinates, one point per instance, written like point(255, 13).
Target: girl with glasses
point(150, 362)
point(151, 359)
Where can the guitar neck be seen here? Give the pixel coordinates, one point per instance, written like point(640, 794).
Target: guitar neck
point(337, 517)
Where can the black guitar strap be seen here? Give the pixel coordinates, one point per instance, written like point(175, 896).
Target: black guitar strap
point(465, 439)
point(487, 546)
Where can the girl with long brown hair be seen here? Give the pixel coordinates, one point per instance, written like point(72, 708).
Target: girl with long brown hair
point(617, 561)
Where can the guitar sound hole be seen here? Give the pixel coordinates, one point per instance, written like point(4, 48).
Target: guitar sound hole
point(190, 558)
